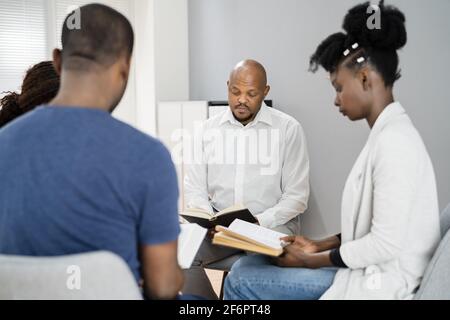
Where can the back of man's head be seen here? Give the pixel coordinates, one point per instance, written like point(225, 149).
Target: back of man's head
point(101, 37)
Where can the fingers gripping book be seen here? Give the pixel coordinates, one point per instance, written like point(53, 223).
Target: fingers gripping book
point(224, 217)
point(250, 237)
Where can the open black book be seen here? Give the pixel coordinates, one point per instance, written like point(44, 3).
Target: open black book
point(222, 218)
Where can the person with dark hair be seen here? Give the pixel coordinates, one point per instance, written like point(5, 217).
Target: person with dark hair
point(40, 85)
point(389, 212)
point(76, 180)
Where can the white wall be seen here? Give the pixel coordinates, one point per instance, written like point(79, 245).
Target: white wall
point(282, 35)
point(160, 69)
point(161, 58)
point(144, 57)
point(176, 121)
point(171, 50)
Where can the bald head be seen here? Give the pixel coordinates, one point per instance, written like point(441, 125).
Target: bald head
point(247, 89)
point(251, 70)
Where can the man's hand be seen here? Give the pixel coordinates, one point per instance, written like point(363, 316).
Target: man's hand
point(303, 243)
point(211, 232)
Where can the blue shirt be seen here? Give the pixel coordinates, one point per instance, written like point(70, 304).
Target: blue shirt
point(76, 180)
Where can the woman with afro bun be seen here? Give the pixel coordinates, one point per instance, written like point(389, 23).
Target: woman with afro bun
point(389, 211)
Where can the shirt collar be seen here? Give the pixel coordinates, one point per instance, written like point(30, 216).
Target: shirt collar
point(263, 115)
point(391, 111)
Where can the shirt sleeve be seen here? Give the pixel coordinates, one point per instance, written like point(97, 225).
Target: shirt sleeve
point(195, 181)
point(158, 197)
point(336, 259)
point(294, 181)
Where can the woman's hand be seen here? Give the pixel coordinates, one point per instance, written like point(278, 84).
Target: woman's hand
point(303, 243)
point(294, 256)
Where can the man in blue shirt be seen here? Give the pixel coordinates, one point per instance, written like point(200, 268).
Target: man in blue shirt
point(74, 179)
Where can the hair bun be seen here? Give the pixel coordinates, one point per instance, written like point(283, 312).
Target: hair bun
point(391, 36)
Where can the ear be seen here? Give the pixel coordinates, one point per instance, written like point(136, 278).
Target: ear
point(57, 61)
point(124, 68)
point(266, 91)
point(228, 83)
point(364, 78)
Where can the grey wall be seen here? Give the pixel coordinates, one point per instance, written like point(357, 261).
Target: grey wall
point(282, 34)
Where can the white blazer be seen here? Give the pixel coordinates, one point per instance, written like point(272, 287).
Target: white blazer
point(390, 214)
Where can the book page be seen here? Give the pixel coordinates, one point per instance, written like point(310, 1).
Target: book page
point(235, 207)
point(260, 234)
point(195, 212)
point(189, 241)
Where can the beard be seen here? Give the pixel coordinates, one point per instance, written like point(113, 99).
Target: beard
point(243, 119)
point(240, 119)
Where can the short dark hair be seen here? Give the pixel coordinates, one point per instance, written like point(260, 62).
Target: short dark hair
point(378, 46)
point(103, 36)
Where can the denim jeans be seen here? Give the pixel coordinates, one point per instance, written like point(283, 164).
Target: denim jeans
point(255, 278)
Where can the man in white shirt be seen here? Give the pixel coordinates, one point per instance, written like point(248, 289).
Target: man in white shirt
point(249, 154)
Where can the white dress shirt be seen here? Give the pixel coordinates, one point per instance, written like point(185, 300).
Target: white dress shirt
point(390, 215)
point(263, 165)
